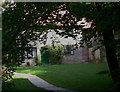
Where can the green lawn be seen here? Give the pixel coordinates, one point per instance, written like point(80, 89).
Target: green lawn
point(73, 76)
point(20, 84)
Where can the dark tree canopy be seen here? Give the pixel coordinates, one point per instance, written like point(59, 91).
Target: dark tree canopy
point(21, 21)
point(19, 26)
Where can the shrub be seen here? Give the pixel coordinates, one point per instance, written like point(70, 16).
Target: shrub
point(37, 60)
point(55, 54)
point(7, 73)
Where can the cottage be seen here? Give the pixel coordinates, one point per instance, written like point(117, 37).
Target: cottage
point(73, 53)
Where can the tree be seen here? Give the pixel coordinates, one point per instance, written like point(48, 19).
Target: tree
point(20, 23)
point(105, 17)
point(24, 19)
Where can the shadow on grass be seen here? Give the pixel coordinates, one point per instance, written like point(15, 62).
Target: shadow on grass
point(20, 84)
point(103, 72)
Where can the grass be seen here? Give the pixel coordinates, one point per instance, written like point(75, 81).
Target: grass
point(73, 76)
point(20, 84)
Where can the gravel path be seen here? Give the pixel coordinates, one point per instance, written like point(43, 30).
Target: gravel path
point(41, 83)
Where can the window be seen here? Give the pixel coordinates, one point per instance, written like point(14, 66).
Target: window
point(69, 50)
point(30, 52)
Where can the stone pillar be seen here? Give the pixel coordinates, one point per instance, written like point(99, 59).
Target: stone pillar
point(39, 54)
point(90, 54)
point(97, 54)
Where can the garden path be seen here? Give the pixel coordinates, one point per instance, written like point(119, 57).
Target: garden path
point(42, 83)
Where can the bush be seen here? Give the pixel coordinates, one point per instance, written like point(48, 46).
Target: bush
point(7, 73)
point(55, 54)
point(37, 60)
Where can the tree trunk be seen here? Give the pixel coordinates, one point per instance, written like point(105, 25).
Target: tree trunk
point(109, 41)
point(110, 46)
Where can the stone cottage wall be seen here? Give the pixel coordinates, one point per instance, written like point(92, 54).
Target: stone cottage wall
point(80, 55)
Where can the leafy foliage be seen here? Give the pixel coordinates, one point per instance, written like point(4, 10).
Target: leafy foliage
point(7, 73)
point(37, 60)
point(55, 54)
point(27, 22)
point(19, 25)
